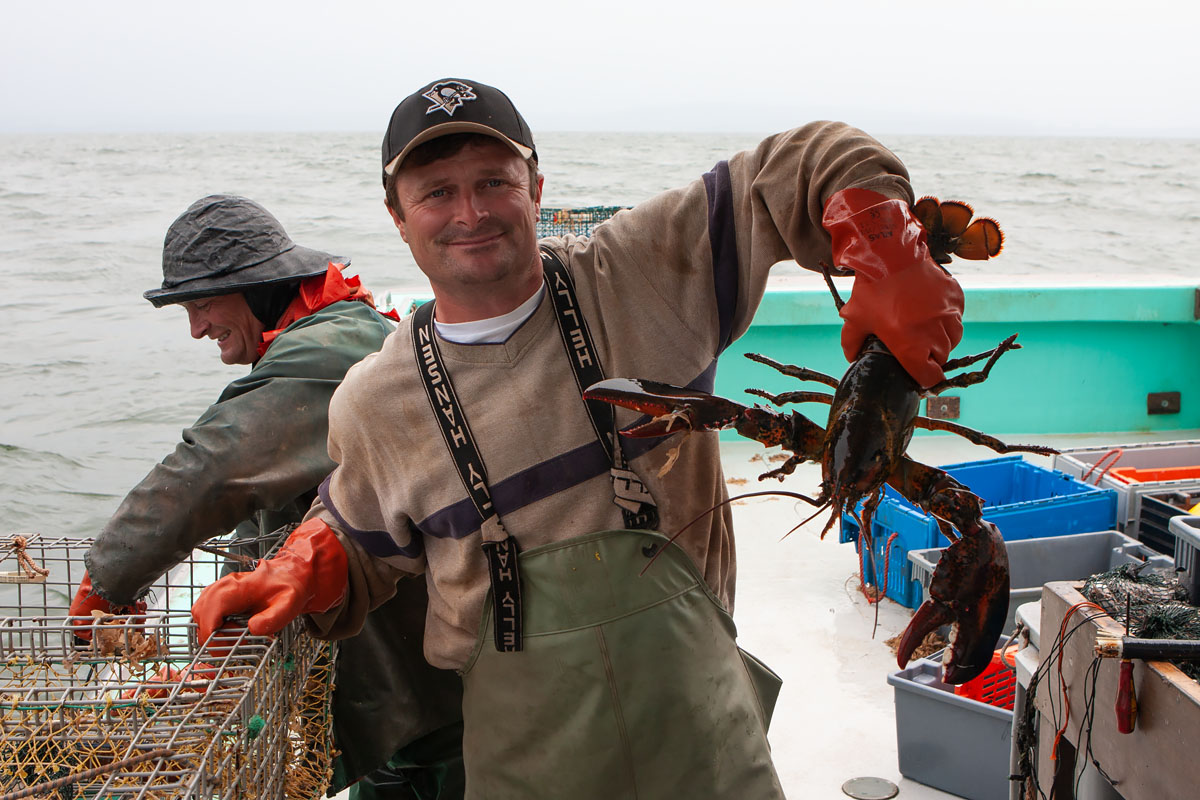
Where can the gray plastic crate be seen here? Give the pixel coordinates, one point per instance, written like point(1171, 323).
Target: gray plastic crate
point(1034, 562)
point(1187, 545)
point(949, 742)
point(1143, 455)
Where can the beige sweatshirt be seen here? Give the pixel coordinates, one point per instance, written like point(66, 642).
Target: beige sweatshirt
point(663, 287)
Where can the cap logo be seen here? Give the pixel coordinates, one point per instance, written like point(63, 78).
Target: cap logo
point(448, 96)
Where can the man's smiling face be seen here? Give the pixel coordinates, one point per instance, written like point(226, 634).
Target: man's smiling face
point(227, 319)
point(470, 220)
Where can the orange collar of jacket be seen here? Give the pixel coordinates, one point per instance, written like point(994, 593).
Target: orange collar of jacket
point(316, 293)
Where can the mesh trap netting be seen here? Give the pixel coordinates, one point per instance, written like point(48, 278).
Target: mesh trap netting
point(579, 221)
point(142, 709)
point(1157, 605)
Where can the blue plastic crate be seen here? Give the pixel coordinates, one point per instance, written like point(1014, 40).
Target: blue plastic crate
point(891, 559)
point(1023, 500)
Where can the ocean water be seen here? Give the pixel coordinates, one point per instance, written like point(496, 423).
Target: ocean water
point(95, 384)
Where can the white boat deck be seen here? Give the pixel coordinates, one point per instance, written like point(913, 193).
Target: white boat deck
point(798, 609)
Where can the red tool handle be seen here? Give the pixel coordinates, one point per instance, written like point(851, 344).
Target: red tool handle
point(1126, 699)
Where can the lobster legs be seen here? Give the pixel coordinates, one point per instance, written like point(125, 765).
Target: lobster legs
point(969, 590)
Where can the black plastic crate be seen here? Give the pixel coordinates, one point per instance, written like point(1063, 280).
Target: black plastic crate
point(1155, 518)
point(1186, 530)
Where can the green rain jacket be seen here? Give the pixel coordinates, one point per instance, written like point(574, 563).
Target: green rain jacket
point(253, 461)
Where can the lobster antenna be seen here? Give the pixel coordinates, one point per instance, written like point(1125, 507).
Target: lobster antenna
point(800, 525)
point(703, 514)
point(868, 513)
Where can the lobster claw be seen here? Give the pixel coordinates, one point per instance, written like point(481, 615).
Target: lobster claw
point(674, 408)
point(982, 240)
point(968, 590)
point(950, 231)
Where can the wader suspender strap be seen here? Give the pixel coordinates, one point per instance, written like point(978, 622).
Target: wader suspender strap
point(498, 546)
point(637, 505)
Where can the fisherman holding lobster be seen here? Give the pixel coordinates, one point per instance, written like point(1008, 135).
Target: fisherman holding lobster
point(465, 452)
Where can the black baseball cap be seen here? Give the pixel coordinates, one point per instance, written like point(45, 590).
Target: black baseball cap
point(450, 105)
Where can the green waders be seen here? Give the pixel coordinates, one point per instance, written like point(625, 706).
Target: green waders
point(626, 686)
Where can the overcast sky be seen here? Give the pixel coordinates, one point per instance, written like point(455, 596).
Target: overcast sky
point(972, 66)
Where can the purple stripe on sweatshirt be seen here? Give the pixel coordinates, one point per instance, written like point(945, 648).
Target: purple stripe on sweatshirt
point(547, 478)
point(378, 543)
point(461, 519)
point(722, 239)
point(539, 481)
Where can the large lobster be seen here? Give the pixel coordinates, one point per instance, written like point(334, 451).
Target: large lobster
point(873, 412)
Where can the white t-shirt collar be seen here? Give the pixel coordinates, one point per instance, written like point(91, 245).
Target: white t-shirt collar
point(494, 330)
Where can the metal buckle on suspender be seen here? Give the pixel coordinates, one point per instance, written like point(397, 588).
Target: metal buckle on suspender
point(637, 504)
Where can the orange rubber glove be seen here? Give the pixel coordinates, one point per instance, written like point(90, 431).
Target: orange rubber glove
point(308, 575)
point(86, 601)
point(900, 294)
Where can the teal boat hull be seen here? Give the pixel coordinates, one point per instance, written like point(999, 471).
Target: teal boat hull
point(1090, 356)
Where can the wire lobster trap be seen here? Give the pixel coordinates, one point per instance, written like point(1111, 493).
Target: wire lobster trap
point(143, 710)
point(577, 221)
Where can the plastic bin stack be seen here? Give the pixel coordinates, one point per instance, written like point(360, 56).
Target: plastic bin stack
point(997, 685)
point(946, 740)
point(1187, 554)
point(1022, 499)
point(1154, 481)
point(1034, 562)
